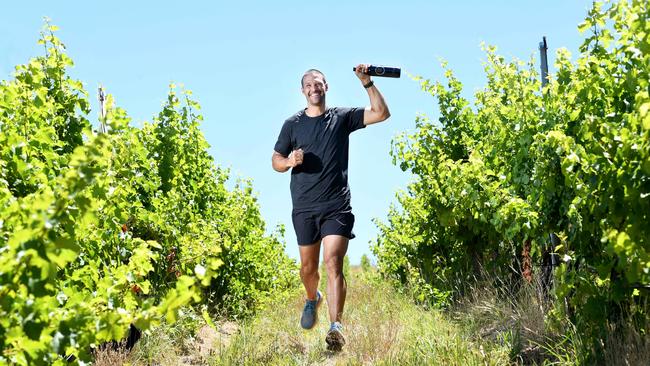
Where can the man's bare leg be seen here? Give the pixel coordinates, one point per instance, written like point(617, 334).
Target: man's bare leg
point(309, 258)
point(335, 247)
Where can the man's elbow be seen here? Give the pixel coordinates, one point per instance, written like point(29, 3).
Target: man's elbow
point(383, 115)
point(275, 166)
point(376, 117)
point(386, 115)
point(280, 169)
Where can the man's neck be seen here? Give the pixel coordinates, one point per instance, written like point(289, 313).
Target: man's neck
point(315, 110)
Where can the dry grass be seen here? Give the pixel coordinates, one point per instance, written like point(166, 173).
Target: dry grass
point(516, 315)
point(169, 345)
point(512, 313)
point(111, 357)
point(625, 346)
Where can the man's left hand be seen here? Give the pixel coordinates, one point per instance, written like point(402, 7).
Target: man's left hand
point(360, 71)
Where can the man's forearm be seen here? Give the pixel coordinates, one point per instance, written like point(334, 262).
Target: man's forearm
point(378, 110)
point(280, 163)
point(377, 102)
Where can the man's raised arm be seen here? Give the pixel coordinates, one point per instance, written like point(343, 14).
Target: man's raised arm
point(378, 110)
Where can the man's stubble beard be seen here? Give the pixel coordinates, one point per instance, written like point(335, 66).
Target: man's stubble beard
point(320, 103)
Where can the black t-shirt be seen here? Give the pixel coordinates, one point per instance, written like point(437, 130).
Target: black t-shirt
point(322, 178)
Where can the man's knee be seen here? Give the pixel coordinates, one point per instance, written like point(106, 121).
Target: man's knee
point(334, 265)
point(309, 268)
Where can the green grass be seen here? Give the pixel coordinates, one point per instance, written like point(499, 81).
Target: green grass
point(381, 327)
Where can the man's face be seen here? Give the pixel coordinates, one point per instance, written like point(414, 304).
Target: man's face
point(314, 87)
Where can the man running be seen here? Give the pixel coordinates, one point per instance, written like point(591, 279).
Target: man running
point(314, 144)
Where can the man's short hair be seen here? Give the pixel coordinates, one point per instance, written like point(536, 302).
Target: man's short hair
point(302, 80)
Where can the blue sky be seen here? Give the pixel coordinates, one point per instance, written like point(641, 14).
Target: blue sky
point(243, 61)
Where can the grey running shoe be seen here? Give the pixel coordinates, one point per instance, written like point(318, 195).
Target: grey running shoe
point(335, 340)
point(310, 312)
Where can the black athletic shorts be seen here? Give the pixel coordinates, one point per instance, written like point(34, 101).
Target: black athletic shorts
point(311, 225)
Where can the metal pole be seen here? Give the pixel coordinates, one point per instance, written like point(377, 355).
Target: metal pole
point(543, 47)
point(102, 111)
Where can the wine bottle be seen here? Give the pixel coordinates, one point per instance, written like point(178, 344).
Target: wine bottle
point(383, 71)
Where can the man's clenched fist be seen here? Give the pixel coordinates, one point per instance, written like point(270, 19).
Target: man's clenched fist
point(295, 158)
